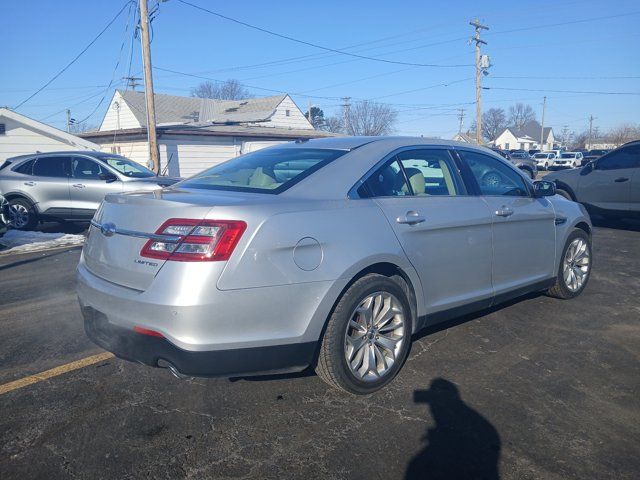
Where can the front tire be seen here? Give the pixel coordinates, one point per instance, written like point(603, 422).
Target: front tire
point(22, 214)
point(367, 337)
point(564, 193)
point(575, 266)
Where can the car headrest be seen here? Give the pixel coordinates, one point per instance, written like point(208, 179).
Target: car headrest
point(416, 179)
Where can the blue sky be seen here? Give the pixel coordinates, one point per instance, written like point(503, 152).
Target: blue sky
point(39, 37)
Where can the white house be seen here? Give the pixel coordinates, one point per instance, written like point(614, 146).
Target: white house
point(20, 135)
point(526, 138)
point(196, 133)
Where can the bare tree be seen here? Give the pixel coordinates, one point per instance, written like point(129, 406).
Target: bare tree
point(82, 127)
point(229, 90)
point(333, 125)
point(520, 114)
point(370, 118)
point(494, 121)
point(577, 141)
point(623, 134)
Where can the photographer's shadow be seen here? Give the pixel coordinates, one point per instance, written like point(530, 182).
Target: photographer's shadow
point(462, 445)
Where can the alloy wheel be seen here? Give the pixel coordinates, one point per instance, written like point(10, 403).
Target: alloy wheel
point(375, 336)
point(18, 215)
point(576, 264)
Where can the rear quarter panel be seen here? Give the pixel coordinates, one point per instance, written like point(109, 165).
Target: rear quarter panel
point(342, 236)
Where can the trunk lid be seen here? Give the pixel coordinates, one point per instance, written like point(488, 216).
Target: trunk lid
point(116, 257)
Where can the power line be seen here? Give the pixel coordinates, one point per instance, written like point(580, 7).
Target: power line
point(115, 68)
point(95, 39)
point(315, 45)
point(568, 78)
point(562, 24)
point(561, 91)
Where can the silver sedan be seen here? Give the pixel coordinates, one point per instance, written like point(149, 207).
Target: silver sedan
point(327, 253)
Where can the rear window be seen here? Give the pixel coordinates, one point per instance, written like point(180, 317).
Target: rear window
point(271, 170)
point(26, 168)
point(568, 155)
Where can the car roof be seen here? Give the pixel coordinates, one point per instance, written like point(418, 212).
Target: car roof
point(61, 152)
point(351, 143)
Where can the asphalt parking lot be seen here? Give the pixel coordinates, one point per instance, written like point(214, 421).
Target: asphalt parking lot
point(538, 388)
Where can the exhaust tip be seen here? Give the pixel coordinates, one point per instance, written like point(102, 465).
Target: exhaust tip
point(162, 363)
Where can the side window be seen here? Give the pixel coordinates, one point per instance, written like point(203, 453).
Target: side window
point(51, 167)
point(85, 169)
point(26, 167)
point(494, 177)
point(628, 157)
point(388, 181)
point(431, 172)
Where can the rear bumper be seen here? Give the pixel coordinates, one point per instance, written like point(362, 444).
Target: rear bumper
point(159, 352)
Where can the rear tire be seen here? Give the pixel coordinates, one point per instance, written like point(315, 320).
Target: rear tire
point(22, 214)
point(575, 266)
point(361, 360)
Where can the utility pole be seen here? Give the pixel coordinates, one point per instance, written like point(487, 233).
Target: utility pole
point(479, 71)
point(346, 107)
point(309, 112)
point(591, 119)
point(132, 82)
point(68, 120)
point(154, 154)
point(461, 118)
point(544, 107)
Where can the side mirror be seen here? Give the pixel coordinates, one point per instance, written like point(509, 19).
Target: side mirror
point(543, 188)
point(588, 168)
point(108, 177)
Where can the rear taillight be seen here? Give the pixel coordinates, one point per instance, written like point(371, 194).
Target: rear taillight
point(199, 240)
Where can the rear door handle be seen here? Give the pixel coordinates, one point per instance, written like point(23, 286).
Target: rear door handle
point(78, 185)
point(411, 218)
point(621, 179)
point(30, 184)
point(504, 212)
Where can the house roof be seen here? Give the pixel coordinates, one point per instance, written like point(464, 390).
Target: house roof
point(45, 129)
point(212, 130)
point(530, 130)
point(173, 109)
point(464, 137)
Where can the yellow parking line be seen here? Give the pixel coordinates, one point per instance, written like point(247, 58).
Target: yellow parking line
point(54, 372)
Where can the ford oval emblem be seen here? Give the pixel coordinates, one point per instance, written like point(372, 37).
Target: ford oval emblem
point(108, 229)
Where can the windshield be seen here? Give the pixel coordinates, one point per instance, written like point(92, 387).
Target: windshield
point(127, 167)
point(541, 155)
point(272, 170)
point(568, 155)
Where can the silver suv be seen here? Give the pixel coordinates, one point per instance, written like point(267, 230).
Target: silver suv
point(68, 186)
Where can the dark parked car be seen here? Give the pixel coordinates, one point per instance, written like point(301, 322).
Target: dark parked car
point(609, 185)
point(502, 153)
point(593, 155)
point(524, 162)
point(68, 186)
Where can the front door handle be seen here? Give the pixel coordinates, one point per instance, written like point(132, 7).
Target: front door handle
point(30, 184)
point(504, 212)
point(621, 179)
point(411, 218)
point(78, 185)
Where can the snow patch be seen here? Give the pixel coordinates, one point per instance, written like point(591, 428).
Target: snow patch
point(18, 241)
